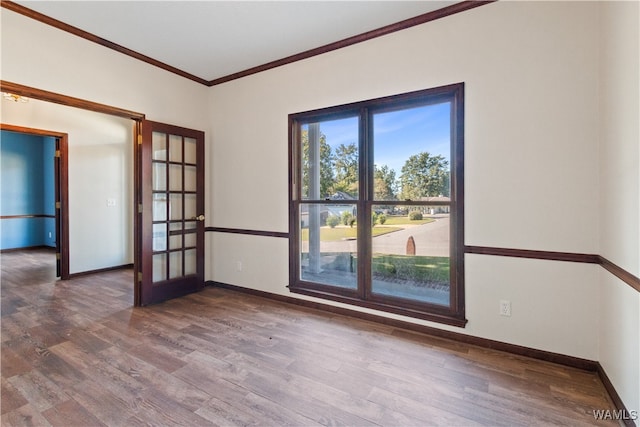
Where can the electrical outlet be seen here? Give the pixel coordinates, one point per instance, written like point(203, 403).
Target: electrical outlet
point(505, 307)
point(239, 265)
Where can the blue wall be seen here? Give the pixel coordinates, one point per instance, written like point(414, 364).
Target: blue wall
point(26, 188)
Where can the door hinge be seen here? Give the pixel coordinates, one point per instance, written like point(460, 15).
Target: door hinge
point(139, 139)
point(139, 207)
point(58, 206)
point(139, 276)
point(57, 154)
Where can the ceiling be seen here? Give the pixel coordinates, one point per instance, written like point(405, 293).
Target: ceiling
point(215, 39)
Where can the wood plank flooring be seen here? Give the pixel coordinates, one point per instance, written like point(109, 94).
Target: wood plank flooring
point(76, 353)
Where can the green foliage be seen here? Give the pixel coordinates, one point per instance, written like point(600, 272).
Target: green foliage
point(423, 269)
point(384, 183)
point(346, 169)
point(397, 220)
point(333, 220)
point(346, 217)
point(415, 215)
point(382, 218)
point(326, 166)
point(374, 219)
point(424, 175)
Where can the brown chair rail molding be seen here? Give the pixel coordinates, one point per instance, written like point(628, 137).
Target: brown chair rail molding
point(614, 269)
point(263, 233)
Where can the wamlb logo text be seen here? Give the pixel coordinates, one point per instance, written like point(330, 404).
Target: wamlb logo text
point(621, 414)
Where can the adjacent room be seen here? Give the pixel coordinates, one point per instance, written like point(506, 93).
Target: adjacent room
point(320, 213)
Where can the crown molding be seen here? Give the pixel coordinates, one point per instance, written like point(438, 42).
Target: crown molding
point(398, 26)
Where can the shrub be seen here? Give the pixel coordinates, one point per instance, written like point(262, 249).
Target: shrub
point(352, 221)
point(332, 221)
point(382, 218)
point(374, 219)
point(415, 215)
point(346, 217)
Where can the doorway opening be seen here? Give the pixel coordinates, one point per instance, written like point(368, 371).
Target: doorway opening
point(49, 213)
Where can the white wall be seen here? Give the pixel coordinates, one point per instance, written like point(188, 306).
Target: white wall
point(619, 334)
point(543, 170)
point(100, 146)
point(37, 55)
point(531, 74)
point(100, 155)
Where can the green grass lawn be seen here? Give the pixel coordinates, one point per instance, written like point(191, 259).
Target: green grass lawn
point(328, 234)
point(420, 269)
point(417, 268)
point(404, 220)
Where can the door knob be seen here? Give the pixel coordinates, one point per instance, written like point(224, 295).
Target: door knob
point(198, 218)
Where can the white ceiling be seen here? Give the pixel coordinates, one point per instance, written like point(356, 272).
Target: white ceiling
point(213, 39)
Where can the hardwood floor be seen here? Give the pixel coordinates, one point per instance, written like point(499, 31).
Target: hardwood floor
point(76, 353)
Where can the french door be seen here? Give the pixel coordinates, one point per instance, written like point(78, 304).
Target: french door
point(170, 199)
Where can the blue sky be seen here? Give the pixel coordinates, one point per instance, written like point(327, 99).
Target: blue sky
point(398, 134)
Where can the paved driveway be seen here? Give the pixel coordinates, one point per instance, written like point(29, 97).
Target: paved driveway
point(432, 239)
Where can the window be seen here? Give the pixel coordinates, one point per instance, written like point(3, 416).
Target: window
point(377, 204)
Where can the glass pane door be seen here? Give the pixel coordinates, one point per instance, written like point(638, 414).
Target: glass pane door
point(175, 214)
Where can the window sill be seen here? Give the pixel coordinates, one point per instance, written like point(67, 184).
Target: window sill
point(443, 317)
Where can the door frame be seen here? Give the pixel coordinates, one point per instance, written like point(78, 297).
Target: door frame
point(61, 177)
point(56, 98)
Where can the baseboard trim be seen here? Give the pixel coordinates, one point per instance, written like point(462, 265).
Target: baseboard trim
point(615, 398)
point(575, 362)
point(100, 270)
point(27, 248)
point(561, 359)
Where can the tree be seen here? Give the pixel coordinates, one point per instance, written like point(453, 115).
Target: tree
point(326, 165)
point(384, 183)
point(424, 175)
point(346, 169)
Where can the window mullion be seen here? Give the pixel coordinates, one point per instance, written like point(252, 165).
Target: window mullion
point(364, 209)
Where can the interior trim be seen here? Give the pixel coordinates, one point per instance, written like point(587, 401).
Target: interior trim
point(614, 269)
point(100, 270)
point(392, 28)
point(562, 359)
point(22, 248)
point(278, 234)
point(615, 397)
point(56, 98)
point(532, 254)
point(30, 13)
point(63, 184)
point(620, 273)
point(26, 216)
point(398, 26)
